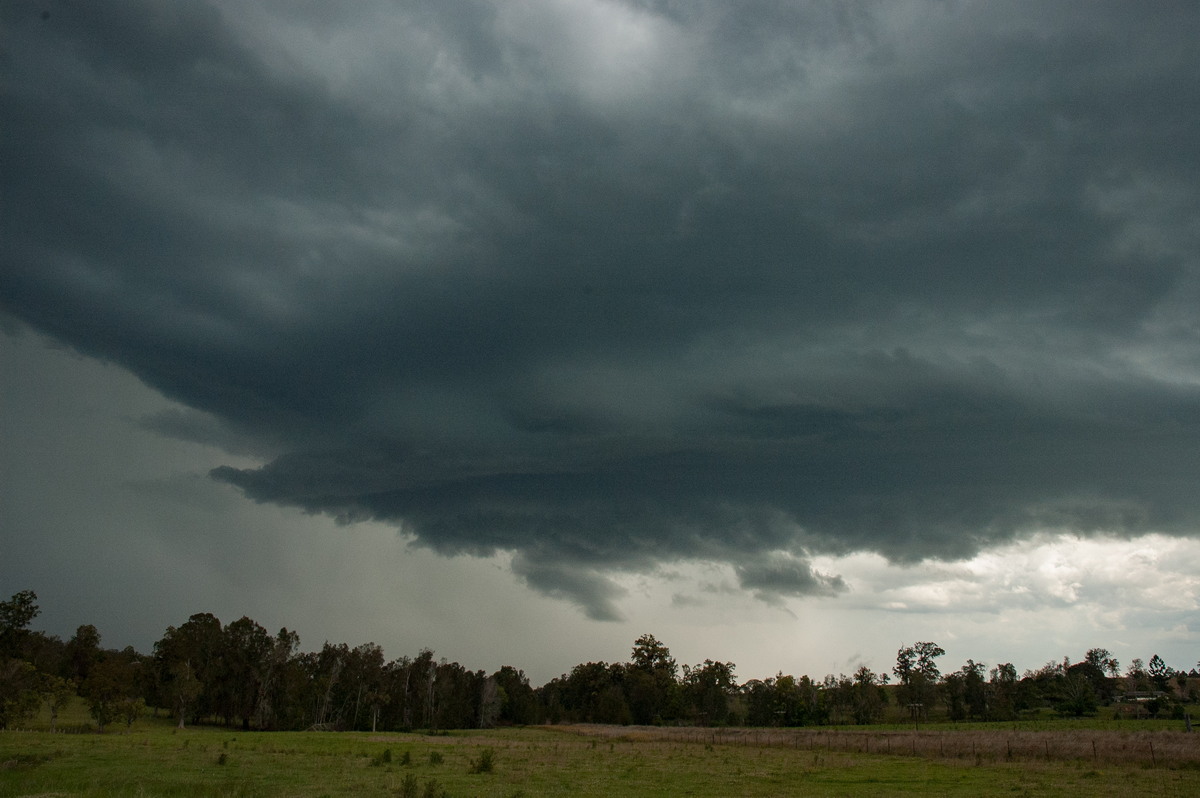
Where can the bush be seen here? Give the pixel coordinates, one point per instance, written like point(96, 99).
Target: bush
point(485, 763)
point(408, 787)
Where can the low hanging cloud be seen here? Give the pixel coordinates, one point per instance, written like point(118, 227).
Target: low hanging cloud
point(774, 576)
point(611, 285)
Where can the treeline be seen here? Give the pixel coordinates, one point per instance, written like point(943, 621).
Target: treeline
point(239, 674)
point(652, 689)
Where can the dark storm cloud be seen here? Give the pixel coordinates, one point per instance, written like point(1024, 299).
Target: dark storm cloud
point(773, 577)
point(609, 285)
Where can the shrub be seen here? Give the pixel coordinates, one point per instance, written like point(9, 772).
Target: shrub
point(485, 763)
point(408, 787)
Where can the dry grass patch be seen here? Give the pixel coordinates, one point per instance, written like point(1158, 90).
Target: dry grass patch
point(1136, 747)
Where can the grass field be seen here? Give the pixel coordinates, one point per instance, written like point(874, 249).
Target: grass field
point(153, 759)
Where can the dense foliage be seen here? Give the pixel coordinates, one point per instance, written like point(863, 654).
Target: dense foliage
point(239, 674)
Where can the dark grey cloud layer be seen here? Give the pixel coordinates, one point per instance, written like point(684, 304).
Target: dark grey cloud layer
point(608, 285)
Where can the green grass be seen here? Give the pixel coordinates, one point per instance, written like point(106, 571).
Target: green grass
point(154, 759)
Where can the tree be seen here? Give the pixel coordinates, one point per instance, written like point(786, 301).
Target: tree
point(518, 704)
point(1103, 661)
point(19, 681)
point(362, 681)
point(808, 704)
point(867, 697)
point(758, 697)
point(593, 692)
point(916, 667)
point(652, 684)
point(954, 695)
point(111, 687)
point(18, 612)
point(836, 695)
point(81, 652)
point(19, 696)
point(1160, 673)
point(184, 688)
point(244, 663)
point(1045, 684)
point(279, 682)
point(422, 674)
point(1002, 686)
point(396, 711)
point(130, 709)
point(1092, 669)
point(776, 701)
point(458, 693)
point(1076, 697)
point(276, 678)
point(650, 654)
point(975, 690)
point(57, 693)
point(325, 671)
point(187, 664)
point(708, 687)
point(15, 616)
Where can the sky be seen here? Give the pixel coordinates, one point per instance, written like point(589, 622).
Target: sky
point(790, 333)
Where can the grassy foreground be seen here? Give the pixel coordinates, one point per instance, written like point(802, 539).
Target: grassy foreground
point(154, 759)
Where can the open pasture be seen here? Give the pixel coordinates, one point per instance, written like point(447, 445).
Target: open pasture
point(153, 759)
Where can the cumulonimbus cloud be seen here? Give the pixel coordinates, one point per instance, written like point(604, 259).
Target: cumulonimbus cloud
point(632, 284)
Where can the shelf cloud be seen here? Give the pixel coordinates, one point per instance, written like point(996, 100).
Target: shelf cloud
point(612, 285)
